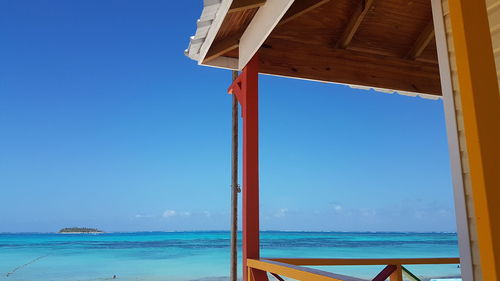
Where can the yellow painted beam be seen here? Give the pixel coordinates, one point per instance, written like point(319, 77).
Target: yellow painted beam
point(297, 272)
point(481, 109)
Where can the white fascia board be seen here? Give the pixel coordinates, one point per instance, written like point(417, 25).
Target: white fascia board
point(459, 192)
point(263, 23)
point(214, 28)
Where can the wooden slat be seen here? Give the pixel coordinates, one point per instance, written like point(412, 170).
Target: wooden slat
point(241, 5)
point(422, 42)
point(322, 63)
point(223, 46)
point(299, 8)
point(297, 272)
point(323, 262)
point(235, 22)
point(354, 23)
point(392, 25)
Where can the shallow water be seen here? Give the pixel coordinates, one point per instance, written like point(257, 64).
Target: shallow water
point(182, 256)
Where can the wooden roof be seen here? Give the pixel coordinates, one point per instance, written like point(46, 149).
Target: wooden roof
point(375, 43)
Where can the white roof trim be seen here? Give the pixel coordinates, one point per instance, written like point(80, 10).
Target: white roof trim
point(262, 24)
point(402, 93)
point(207, 27)
point(212, 16)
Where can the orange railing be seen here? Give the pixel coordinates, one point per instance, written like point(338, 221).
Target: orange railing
point(293, 268)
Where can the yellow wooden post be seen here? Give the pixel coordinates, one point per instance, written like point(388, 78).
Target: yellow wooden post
point(481, 110)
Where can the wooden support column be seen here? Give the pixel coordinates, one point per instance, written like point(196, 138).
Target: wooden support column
point(245, 87)
point(353, 25)
point(481, 116)
point(397, 275)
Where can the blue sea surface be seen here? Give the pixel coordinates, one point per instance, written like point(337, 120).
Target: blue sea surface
point(183, 256)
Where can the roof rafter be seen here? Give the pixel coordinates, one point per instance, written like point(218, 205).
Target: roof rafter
point(422, 42)
point(241, 5)
point(223, 46)
point(300, 7)
point(354, 23)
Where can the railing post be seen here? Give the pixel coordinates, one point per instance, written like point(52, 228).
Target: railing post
point(397, 275)
point(245, 87)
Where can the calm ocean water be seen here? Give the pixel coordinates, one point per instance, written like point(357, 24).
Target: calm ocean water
point(180, 256)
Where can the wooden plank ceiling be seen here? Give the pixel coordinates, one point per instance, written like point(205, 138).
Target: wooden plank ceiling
point(376, 43)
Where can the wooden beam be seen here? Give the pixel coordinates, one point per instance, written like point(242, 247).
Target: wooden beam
point(479, 97)
point(222, 46)
point(331, 262)
point(230, 43)
point(300, 7)
point(246, 89)
point(422, 42)
point(242, 5)
point(297, 272)
point(322, 63)
point(397, 275)
point(386, 53)
point(262, 24)
point(354, 23)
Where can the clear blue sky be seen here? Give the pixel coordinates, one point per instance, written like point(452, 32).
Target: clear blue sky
point(104, 122)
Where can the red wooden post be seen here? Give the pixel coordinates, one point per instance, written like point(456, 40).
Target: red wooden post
point(385, 273)
point(245, 87)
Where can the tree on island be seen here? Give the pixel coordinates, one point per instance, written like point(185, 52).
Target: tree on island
point(80, 230)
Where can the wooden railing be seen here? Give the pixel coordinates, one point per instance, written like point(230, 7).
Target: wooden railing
point(292, 268)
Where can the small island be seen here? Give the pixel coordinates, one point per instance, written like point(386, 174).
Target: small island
point(80, 230)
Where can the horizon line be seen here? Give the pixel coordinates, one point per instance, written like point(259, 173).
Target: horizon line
point(239, 231)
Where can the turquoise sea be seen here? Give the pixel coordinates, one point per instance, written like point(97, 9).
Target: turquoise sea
point(182, 256)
